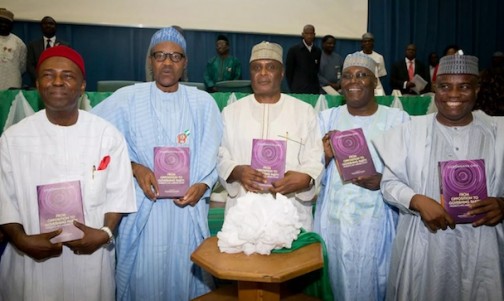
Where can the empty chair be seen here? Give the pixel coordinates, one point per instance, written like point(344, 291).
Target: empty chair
point(113, 85)
point(234, 86)
point(200, 86)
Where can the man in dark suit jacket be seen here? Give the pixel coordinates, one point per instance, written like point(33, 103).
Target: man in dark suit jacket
point(400, 77)
point(302, 64)
point(35, 48)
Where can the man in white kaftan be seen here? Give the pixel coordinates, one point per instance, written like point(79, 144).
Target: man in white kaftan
point(367, 44)
point(12, 53)
point(269, 114)
point(356, 225)
point(155, 244)
point(42, 149)
point(434, 258)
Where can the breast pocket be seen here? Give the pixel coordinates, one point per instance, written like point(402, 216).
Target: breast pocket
point(96, 188)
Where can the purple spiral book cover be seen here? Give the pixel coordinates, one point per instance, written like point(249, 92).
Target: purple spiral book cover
point(462, 183)
point(171, 168)
point(59, 205)
point(351, 154)
point(268, 157)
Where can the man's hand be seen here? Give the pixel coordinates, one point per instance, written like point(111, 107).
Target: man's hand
point(292, 181)
point(192, 196)
point(433, 214)
point(328, 153)
point(492, 208)
point(93, 239)
point(146, 180)
point(370, 182)
point(248, 177)
point(39, 246)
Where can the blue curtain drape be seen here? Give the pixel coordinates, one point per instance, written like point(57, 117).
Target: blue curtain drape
point(118, 53)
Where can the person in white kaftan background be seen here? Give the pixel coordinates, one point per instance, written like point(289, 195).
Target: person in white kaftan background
point(269, 114)
point(12, 53)
point(433, 258)
point(356, 225)
point(55, 145)
point(155, 244)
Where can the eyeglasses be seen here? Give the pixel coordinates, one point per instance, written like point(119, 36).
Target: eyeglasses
point(358, 75)
point(160, 56)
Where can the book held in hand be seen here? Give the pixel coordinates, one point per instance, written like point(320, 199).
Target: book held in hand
point(59, 205)
point(268, 157)
point(462, 182)
point(171, 168)
point(351, 154)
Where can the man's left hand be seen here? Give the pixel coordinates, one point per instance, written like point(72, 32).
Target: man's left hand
point(192, 196)
point(371, 182)
point(93, 239)
point(493, 210)
point(292, 181)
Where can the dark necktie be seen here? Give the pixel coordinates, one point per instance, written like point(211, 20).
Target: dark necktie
point(48, 45)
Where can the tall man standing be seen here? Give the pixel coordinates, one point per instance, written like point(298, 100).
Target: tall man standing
point(57, 145)
point(404, 70)
point(269, 114)
point(433, 258)
point(48, 26)
point(155, 244)
point(302, 64)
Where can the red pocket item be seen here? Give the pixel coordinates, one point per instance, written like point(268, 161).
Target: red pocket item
point(104, 163)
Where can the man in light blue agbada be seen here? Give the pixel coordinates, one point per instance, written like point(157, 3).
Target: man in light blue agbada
point(155, 244)
point(357, 226)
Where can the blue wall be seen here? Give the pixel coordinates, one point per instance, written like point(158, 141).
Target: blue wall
point(119, 52)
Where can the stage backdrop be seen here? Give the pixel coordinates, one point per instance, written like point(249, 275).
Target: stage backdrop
point(344, 19)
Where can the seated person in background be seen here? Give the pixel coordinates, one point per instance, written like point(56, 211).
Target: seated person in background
point(491, 94)
point(330, 64)
point(221, 67)
point(48, 27)
point(60, 144)
point(404, 70)
point(269, 114)
point(433, 62)
point(434, 259)
point(357, 226)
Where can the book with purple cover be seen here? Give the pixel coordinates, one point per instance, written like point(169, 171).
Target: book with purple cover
point(462, 182)
point(268, 157)
point(351, 154)
point(171, 168)
point(59, 205)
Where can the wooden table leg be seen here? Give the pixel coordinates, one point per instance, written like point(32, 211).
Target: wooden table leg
point(257, 291)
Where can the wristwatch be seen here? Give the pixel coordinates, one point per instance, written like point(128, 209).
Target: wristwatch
point(109, 233)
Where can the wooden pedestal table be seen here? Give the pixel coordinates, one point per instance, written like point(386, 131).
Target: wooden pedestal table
point(259, 276)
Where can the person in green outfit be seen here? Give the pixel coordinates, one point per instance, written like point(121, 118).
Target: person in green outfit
point(221, 67)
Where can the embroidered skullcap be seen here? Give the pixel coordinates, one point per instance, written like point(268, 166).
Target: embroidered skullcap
point(267, 51)
point(368, 36)
point(63, 51)
point(222, 37)
point(6, 14)
point(168, 34)
point(458, 64)
point(359, 59)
